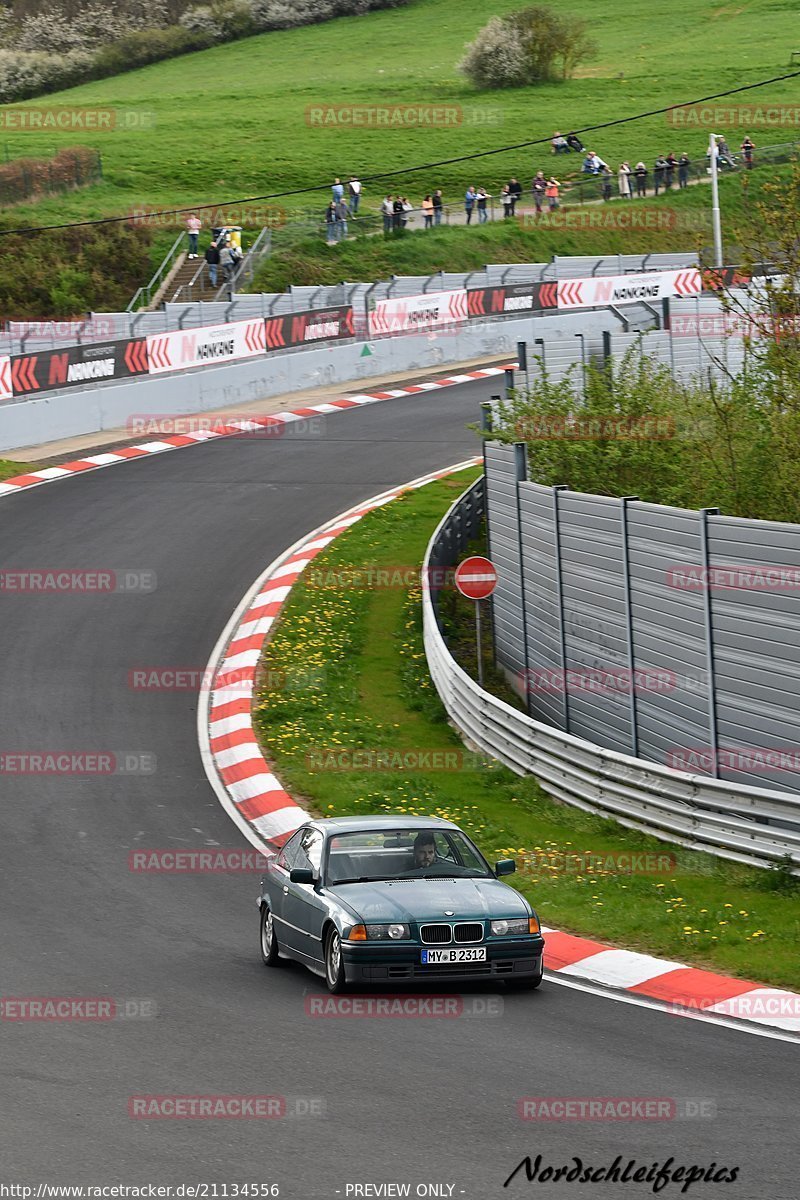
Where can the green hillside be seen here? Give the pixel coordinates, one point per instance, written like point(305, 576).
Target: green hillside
point(232, 121)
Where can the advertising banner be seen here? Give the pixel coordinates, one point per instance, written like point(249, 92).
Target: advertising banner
point(628, 289)
point(511, 299)
point(413, 314)
point(6, 391)
point(74, 366)
point(185, 348)
point(309, 326)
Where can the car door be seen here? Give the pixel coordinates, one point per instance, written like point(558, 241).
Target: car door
point(304, 908)
point(278, 886)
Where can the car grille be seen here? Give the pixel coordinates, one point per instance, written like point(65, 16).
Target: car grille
point(462, 931)
point(435, 935)
point(469, 931)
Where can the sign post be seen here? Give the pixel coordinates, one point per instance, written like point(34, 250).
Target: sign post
point(476, 578)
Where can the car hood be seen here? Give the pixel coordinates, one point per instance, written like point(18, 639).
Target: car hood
point(427, 899)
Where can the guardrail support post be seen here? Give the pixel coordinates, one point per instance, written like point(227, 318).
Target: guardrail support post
point(626, 579)
point(509, 374)
point(562, 636)
point(705, 562)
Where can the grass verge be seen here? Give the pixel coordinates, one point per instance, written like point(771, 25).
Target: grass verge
point(9, 469)
point(346, 670)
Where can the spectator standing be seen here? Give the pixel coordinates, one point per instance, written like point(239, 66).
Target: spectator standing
point(330, 221)
point(624, 180)
point(606, 177)
point(337, 190)
point(748, 146)
point(354, 192)
point(669, 174)
point(640, 173)
point(469, 202)
point(438, 205)
point(387, 212)
point(482, 197)
point(397, 213)
point(551, 191)
point(507, 200)
point(515, 191)
point(193, 227)
point(659, 171)
point(538, 188)
point(427, 210)
point(342, 214)
point(559, 144)
point(212, 259)
point(227, 263)
point(683, 170)
point(408, 209)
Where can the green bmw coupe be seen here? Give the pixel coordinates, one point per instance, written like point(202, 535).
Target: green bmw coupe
point(373, 900)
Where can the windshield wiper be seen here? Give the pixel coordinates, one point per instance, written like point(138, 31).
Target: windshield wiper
point(365, 879)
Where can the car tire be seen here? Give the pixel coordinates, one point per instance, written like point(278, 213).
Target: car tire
point(334, 963)
point(526, 983)
point(270, 954)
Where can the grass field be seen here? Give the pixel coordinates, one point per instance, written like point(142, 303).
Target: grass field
point(8, 469)
point(231, 122)
point(346, 670)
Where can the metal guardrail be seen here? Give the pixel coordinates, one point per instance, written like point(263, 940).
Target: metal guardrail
point(756, 826)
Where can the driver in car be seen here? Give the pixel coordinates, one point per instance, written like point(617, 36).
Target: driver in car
point(425, 850)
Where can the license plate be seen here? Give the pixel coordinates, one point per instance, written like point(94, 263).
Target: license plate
point(456, 955)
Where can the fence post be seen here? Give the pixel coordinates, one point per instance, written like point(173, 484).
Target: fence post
point(562, 637)
point(626, 576)
point(705, 560)
point(486, 428)
point(521, 474)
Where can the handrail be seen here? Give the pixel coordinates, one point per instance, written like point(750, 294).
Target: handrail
point(753, 825)
point(151, 287)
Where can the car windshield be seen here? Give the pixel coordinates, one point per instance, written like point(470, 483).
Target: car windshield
point(394, 854)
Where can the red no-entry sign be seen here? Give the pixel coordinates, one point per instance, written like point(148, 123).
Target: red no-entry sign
point(476, 578)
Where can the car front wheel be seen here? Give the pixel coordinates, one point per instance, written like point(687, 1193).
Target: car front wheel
point(334, 965)
point(269, 939)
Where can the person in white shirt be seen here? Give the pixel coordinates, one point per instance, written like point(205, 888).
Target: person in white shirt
point(193, 227)
point(354, 190)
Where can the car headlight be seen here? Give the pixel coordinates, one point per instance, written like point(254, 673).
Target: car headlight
point(515, 926)
point(394, 933)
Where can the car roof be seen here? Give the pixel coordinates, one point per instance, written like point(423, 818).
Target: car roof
point(330, 825)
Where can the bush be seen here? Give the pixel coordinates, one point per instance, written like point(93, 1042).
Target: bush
point(535, 45)
point(70, 272)
point(25, 75)
point(496, 58)
point(144, 46)
point(57, 47)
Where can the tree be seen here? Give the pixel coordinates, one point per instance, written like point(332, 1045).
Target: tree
point(534, 45)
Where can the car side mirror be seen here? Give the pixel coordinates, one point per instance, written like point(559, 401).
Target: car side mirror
point(506, 866)
point(301, 875)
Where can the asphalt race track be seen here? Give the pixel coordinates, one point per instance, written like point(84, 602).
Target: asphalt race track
point(428, 1101)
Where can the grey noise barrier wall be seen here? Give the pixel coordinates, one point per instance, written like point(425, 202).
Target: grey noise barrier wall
point(54, 415)
point(602, 752)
